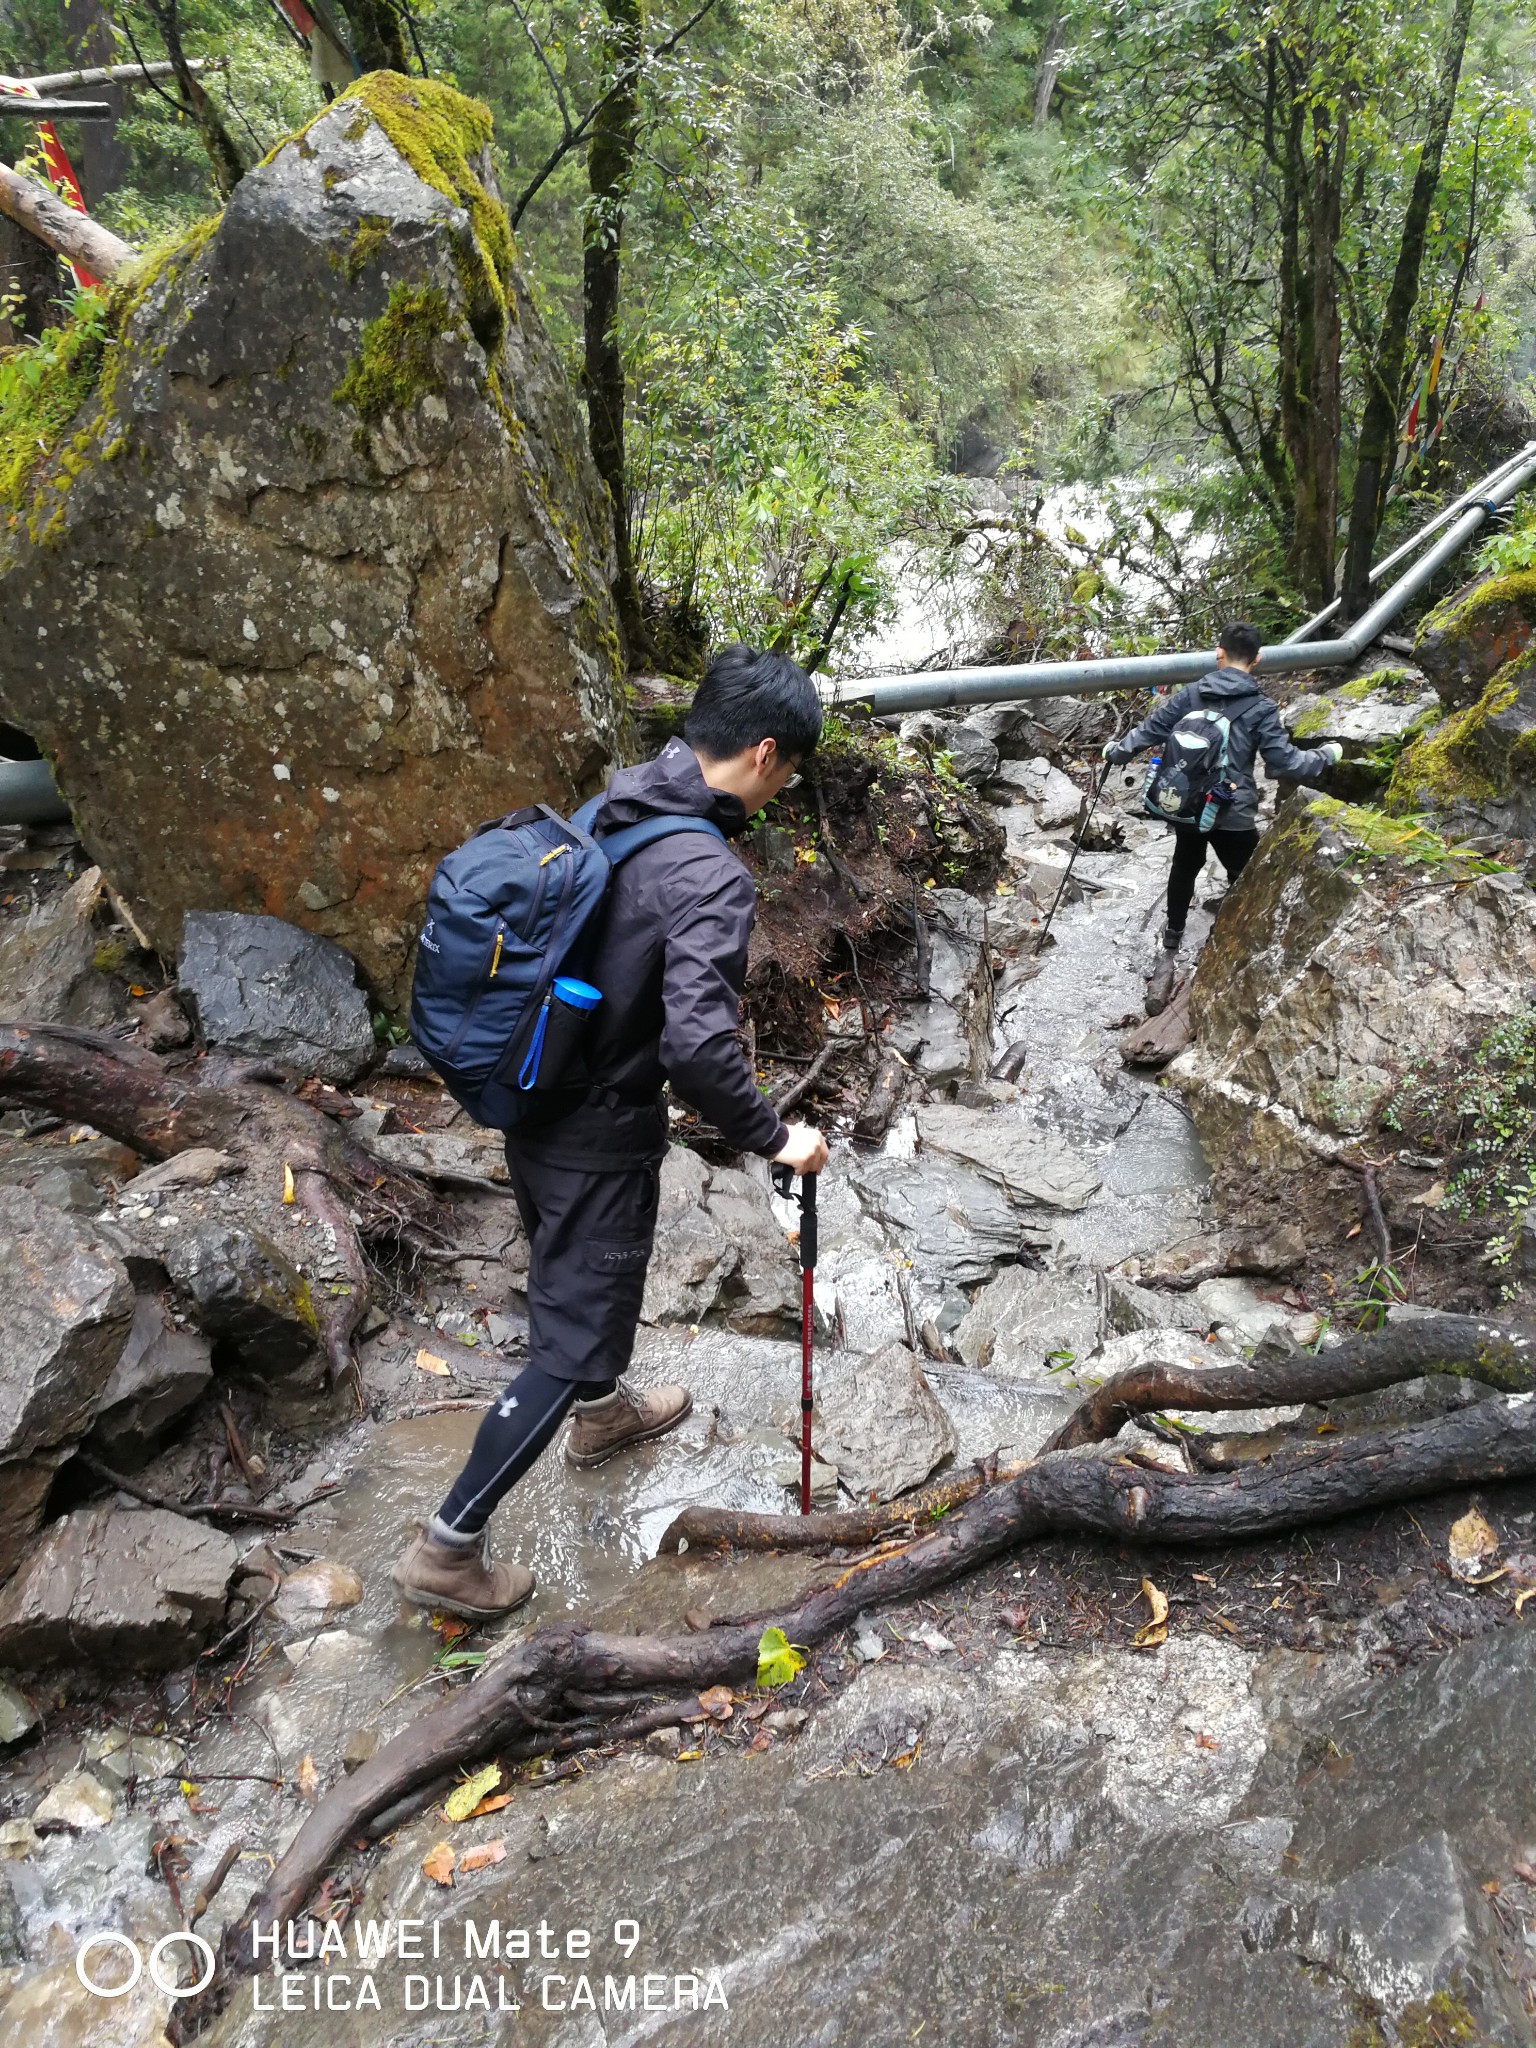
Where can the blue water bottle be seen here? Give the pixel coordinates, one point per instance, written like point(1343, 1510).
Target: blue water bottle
point(1208, 814)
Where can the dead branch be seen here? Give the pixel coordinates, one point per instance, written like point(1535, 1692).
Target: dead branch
point(796, 1092)
point(129, 1094)
point(719, 1529)
point(69, 234)
point(119, 74)
point(1114, 1499)
point(1465, 1346)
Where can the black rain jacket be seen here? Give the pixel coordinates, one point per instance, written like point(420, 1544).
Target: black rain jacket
point(669, 952)
point(1255, 730)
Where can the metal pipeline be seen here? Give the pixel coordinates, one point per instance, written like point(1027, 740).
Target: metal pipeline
point(29, 795)
point(945, 689)
point(1473, 496)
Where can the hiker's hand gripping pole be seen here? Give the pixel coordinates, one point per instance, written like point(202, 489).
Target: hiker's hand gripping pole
point(783, 1180)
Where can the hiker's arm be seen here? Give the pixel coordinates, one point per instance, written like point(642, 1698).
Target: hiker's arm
point(1157, 725)
point(702, 976)
point(1282, 756)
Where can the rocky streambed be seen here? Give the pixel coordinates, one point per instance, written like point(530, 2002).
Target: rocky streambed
point(1301, 1814)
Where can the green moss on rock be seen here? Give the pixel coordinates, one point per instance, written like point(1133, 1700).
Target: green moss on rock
point(442, 136)
point(1462, 614)
point(1442, 768)
point(1409, 841)
point(397, 365)
point(42, 386)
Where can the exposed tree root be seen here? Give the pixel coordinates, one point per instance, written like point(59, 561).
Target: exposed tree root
point(717, 1529)
point(240, 1107)
point(1463, 1345)
point(522, 1702)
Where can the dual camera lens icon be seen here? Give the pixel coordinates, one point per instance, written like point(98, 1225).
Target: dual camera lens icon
point(159, 1974)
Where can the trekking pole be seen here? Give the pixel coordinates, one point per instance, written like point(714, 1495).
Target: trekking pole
point(1077, 847)
point(783, 1180)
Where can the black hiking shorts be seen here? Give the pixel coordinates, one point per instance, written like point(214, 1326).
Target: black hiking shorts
point(590, 1232)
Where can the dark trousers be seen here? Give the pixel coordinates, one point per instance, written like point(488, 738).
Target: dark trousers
point(589, 1239)
point(1233, 849)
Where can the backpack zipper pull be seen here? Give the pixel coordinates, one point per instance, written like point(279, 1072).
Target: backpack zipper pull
point(496, 956)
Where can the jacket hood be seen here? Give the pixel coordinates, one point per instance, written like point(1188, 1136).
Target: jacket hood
point(671, 786)
point(1229, 683)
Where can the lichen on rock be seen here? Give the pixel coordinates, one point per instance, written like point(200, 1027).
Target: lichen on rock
point(316, 577)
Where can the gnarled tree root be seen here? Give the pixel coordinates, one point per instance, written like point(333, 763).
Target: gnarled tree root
point(1466, 1346)
point(524, 1697)
point(238, 1107)
point(718, 1529)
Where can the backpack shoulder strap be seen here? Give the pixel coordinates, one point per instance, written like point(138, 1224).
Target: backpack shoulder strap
point(630, 838)
point(584, 814)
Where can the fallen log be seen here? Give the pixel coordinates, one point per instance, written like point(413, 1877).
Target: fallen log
point(1467, 1346)
point(69, 234)
point(719, 1529)
point(520, 1697)
point(239, 1107)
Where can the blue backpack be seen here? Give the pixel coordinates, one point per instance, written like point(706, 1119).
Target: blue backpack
point(504, 913)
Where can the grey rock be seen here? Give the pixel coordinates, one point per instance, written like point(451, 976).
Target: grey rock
point(48, 973)
point(1036, 1169)
point(246, 1294)
point(972, 755)
point(119, 1757)
point(1398, 1929)
point(13, 1930)
point(1055, 797)
point(263, 987)
point(128, 1589)
point(466, 1151)
point(163, 1024)
point(763, 1293)
point(309, 651)
point(79, 1800)
point(718, 1242)
point(954, 1226)
point(66, 1307)
point(932, 1038)
point(18, 1716)
point(1397, 702)
point(882, 1426)
point(1022, 1317)
point(1129, 1307)
point(159, 1373)
point(1237, 1307)
point(823, 1480)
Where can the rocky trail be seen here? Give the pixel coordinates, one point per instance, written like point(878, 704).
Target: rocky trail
point(1159, 1676)
point(1144, 1790)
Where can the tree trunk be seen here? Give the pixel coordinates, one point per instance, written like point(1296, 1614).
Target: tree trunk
point(1312, 342)
point(1377, 448)
point(103, 159)
point(610, 169)
point(378, 35)
point(1053, 54)
point(223, 156)
point(75, 235)
point(525, 1699)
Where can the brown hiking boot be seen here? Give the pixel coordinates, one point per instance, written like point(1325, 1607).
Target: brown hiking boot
point(460, 1578)
point(1160, 984)
point(605, 1427)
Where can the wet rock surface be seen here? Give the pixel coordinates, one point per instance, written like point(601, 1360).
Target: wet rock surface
point(128, 1588)
point(260, 986)
point(66, 1307)
point(48, 971)
point(160, 1371)
point(881, 1427)
point(353, 611)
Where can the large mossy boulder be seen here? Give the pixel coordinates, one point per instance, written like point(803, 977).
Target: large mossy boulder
point(1355, 945)
point(314, 574)
point(1474, 773)
point(1464, 642)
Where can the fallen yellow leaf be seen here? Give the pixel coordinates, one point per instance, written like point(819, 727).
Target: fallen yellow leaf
point(438, 1864)
point(428, 1361)
point(1521, 1598)
point(308, 1779)
point(287, 1182)
point(716, 1702)
point(1154, 1631)
point(689, 1756)
point(464, 1798)
point(1473, 1540)
point(487, 1853)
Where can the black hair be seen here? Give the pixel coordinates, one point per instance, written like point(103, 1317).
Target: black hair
point(1240, 639)
point(748, 695)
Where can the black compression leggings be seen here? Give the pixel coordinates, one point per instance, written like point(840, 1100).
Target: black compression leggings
point(516, 1428)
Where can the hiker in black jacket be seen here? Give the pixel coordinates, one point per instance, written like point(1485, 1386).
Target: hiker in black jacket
point(1254, 730)
point(670, 957)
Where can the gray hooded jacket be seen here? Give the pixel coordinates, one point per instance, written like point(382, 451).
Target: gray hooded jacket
point(1256, 730)
point(669, 952)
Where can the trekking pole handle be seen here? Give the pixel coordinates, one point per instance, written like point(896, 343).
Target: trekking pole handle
point(784, 1185)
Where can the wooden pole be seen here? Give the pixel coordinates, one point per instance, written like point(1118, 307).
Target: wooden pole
point(70, 234)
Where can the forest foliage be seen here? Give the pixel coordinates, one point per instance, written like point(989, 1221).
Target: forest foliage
point(810, 258)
